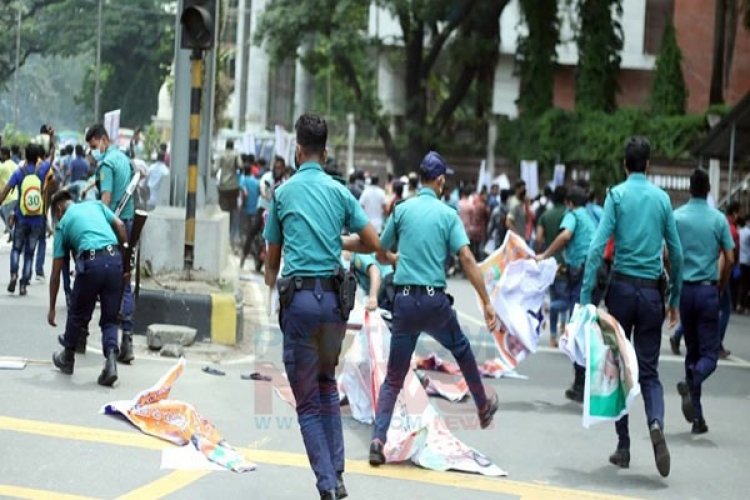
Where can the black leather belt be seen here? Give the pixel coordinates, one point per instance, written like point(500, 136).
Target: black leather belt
point(632, 280)
point(419, 289)
point(701, 283)
point(327, 284)
point(111, 250)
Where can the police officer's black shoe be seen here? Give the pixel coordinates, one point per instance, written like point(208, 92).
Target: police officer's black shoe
point(661, 452)
point(377, 457)
point(81, 343)
point(699, 426)
point(687, 403)
point(12, 284)
point(487, 413)
point(22, 289)
point(65, 360)
point(340, 487)
point(674, 344)
point(126, 348)
point(108, 376)
point(574, 394)
point(620, 458)
point(328, 495)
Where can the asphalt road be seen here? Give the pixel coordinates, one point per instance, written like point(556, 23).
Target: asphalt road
point(54, 442)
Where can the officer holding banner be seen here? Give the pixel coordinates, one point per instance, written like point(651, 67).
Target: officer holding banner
point(424, 230)
point(639, 214)
point(307, 216)
point(113, 174)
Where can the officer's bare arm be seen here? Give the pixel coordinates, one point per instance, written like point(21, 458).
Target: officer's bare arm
point(120, 230)
point(4, 194)
point(54, 282)
point(560, 242)
point(365, 242)
point(272, 264)
point(726, 262)
point(106, 198)
point(374, 272)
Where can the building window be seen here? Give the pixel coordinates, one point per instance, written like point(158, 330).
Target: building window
point(658, 13)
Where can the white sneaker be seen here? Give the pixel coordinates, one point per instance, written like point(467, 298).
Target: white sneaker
point(40, 279)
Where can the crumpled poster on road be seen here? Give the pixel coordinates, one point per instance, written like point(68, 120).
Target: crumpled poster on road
point(177, 422)
point(594, 339)
point(516, 285)
point(417, 432)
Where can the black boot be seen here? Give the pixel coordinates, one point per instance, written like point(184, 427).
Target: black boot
point(22, 289)
point(340, 487)
point(12, 284)
point(575, 392)
point(65, 360)
point(81, 343)
point(109, 374)
point(377, 457)
point(126, 348)
point(620, 458)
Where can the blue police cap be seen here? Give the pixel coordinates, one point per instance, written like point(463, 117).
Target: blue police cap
point(433, 166)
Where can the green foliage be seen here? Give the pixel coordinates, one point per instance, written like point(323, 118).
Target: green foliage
point(595, 139)
point(536, 56)
point(600, 39)
point(11, 136)
point(151, 141)
point(669, 91)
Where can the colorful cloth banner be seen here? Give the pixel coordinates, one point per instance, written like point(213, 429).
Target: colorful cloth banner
point(594, 339)
point(177, 422)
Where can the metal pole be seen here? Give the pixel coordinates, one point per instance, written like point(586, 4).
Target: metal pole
point(731, 162)
point(18, 63)
point(97, 84)
point(196, 91)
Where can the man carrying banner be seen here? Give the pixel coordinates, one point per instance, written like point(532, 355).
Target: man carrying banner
point(704, 233)
point(306, 216)
point(99, 242)
point(639, 214)
point(113, 174)
point(423, 230)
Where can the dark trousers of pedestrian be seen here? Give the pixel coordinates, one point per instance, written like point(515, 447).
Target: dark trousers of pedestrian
point(41, 254)
point(101, 279)
point(743, 301)
point(25, 238)
point(699, 310)
point(127, 306)
point(416, 311)
point(252, 226)
point(725, 311)
point(313, 332)
point(558, 303)
point(639, 309)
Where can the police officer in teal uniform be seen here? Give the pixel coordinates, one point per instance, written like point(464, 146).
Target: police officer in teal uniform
point(423, 230)
point(704, 233)
point(307, 216)
point(639, 214)
point(375, 279)
point(96, 237)
point(113, 174)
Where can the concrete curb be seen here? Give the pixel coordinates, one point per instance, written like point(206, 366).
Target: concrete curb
point(217, 317)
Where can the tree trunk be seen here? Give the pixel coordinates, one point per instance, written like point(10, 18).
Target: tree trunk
point(416, 101)
point(716, 95)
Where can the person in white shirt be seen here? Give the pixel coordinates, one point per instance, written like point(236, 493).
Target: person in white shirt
point(156, 172)
point(743, 302)
point(372, 202)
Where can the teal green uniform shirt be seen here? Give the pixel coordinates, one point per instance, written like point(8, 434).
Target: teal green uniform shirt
point(640, 216)
point(424, 230)
point(307, 215)
point(704, 231)
point(113, 175)
point(85, 226)
point(582, 225)
point(362, 263)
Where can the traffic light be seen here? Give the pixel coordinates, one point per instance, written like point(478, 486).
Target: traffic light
point(198, 19)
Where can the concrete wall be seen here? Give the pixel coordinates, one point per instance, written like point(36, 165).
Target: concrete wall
point(163, 241)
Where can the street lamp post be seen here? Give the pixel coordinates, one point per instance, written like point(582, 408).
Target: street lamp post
point(18, 62)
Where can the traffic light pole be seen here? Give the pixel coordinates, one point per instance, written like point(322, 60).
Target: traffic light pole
point(196, 90)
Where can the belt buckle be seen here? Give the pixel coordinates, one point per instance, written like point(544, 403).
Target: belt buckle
point(430, 290)
point(92, 254)
point(406, 290)
point(111, 250)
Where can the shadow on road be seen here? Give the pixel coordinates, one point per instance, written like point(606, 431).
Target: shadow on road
point(611, 477)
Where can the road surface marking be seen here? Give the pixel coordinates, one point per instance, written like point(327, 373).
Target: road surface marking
point(403, 472)
point(7, 490)
point(166, 485)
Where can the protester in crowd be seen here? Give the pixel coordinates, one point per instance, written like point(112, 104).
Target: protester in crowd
point(79, 167)
point(497, 226)
point(99, 240)
point(29, 216)
point(7, 167)
point(547, 229)
point(466, 209)
point(517, 214)
point(704, 233)
point(15, 154)
point(398, 196)
point(639, 214)
point(493, 199)
point(157, 172)
point(113, 175)
point(412, 185)
point(136, 146)
point(727, 302)
point(477, 230)
point(424, 231)
point(743, 301)
point(250, 189)
point(315, 209)
point(229, 188)
point(357, 183)
point(372, 202)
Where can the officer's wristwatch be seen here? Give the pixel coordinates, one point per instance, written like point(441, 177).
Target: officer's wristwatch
point(126, 246)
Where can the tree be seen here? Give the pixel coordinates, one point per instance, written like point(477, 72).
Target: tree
point(536, 56)
point(669, 91)
point(600, 40)
point(467, 29)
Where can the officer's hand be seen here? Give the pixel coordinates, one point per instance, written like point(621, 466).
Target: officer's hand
point(372, 304)
point(51, 317)
point(673, 316)
point(490, 317)
point(539, 257)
